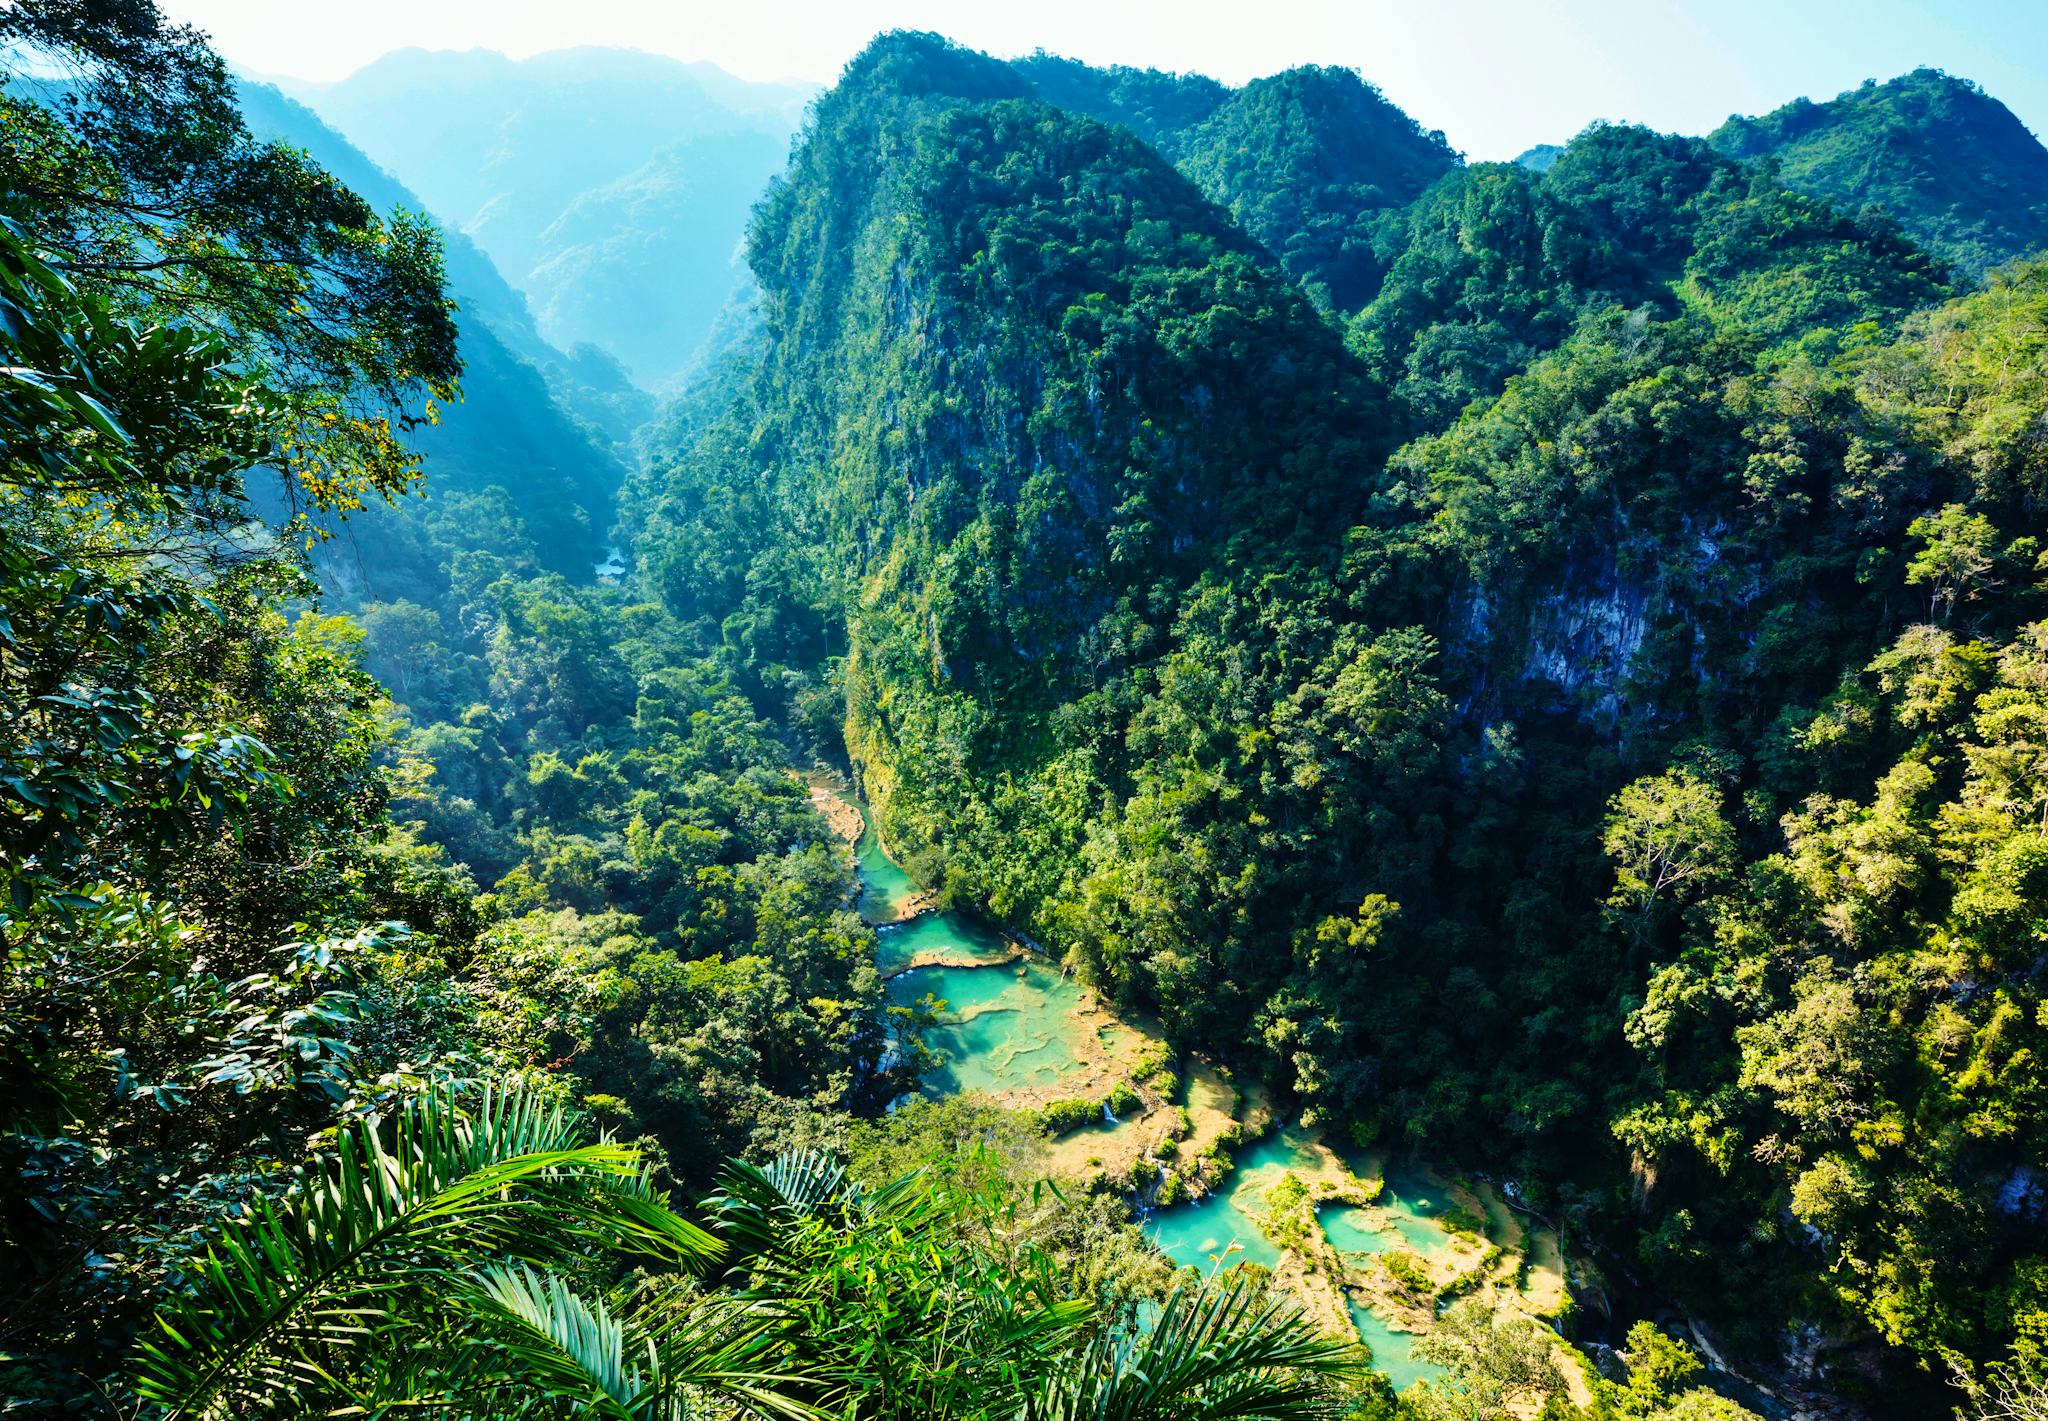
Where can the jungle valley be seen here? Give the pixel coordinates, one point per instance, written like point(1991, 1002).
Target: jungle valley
point(1172, 755)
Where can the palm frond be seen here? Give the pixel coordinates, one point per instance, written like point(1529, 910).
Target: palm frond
point(1216, 1351)
point(575, 1349)
point(276, 1301)
point(544, 1336)
point(756, 1207)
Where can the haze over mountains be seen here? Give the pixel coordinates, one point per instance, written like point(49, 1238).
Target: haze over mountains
point(534, 426)
point(610, 186)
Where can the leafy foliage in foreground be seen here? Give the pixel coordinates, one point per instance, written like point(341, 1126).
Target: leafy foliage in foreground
point(219, 947)
point(458, 1254)
point(420, 1234)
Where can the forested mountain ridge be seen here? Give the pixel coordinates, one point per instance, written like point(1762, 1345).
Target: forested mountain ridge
point(610, 186)
point(1305, 161)
point(1308, 161)
point(1412, 712)
point(1947, 161)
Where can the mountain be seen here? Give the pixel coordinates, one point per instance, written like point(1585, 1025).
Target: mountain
point(611, 186)
point(1948, 162)
point(1155, 105)
point(1305, 161)
point(537, 428)
point(1515, 718)
point(1308, 161)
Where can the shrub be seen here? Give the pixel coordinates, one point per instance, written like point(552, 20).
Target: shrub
point(1463, 1221)
point(1408, 1273)
point(1288, 1195)
point(1155, 1058)
point(1063, 1117)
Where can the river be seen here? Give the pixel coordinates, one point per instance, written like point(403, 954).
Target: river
point(1014, 1027)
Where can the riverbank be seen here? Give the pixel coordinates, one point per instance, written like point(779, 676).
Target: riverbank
point(888, 895)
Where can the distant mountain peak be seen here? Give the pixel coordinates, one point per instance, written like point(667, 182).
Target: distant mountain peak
point(1303, 159)
point(611, 186)
point(1947, 161)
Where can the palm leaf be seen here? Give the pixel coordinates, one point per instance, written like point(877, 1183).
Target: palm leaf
point(545, 1336)
point(1217, 1351)
point(757, 1207)
point(277, 1302)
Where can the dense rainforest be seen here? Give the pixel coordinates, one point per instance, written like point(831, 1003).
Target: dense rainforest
point(1540, 666)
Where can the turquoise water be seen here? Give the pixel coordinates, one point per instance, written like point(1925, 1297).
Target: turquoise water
point(1011, 1026)
point(885, 888)
point(1351, 1230)
point(1196, 1235)
point(1410, 1202)
point(1003, 1028)
point(961, 939)
point(1403, 1218)
point(1392, 1352)
point(1277, 1152)
point(1192, 1234)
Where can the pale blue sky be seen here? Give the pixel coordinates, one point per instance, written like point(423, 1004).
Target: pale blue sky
point(1495, 75)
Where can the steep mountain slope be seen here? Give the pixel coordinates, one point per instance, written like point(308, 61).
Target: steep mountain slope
point(1950, 163)
point(1306, 160)
point(1477, 727)
point(1156, 106)
point(1309, 161)
point(611, 186)
point(1063, 324)
point(512, 436)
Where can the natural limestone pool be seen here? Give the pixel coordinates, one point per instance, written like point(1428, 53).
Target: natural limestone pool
point(1202, 1234)
point(887, 892)
point(1410, 1204)
point(940, 940)
point(1353, 1230)
point(1392, 1352)
point(1210, 1232)
point(1003, 1028)
point(1196, 1234)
